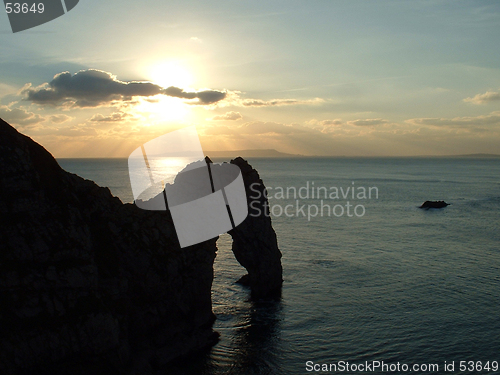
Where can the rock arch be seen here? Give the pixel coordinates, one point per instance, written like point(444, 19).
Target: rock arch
point(255, 244)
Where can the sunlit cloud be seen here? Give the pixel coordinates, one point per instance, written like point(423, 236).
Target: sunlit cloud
point(228, 116)
point(368, 122)
point(291, 138)
point(319, 124)
point(78, 131)
point(326, 126)
point(255, 128)
point(259, 127)
point(59, 119)
point(485, 120)
point(114, 117)
point(335, 122)
point(487, 97)
point(235, 98)
point(19, 116)
point(279, 102)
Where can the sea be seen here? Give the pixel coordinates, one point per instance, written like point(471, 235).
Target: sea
point(372, 283)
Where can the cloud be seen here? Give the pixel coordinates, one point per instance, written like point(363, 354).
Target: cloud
point(196, 39)
point(291, 138)
point(93, 88)
point(335, 122)
point(330, 126)
point(114, 117)
point(320, 123)
point(78, 131)
point(278, 102)
point(256, 128)
point(325, 126)
point(59, 119)
point(368, 122)
point(205, 97)
point(491, 119)
point(487, 97)
point(228, 116)
point(259, 127)
point(19, 116)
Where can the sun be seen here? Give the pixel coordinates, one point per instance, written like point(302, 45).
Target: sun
point(171, 73)
point(166, 73)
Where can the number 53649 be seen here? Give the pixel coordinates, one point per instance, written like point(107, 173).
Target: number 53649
point(24, 8)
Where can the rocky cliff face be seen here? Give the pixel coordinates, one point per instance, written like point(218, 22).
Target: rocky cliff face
point(255, 245)
point(89, 285)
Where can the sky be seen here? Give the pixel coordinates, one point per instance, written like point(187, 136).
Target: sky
point(315, 77)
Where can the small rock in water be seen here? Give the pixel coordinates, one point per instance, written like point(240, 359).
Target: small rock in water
point(434, 204)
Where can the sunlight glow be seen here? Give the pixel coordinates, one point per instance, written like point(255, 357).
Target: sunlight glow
point(168, 74)
point(163, 108)
point(168, 167)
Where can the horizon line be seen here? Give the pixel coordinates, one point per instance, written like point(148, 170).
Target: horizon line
point(282, 155)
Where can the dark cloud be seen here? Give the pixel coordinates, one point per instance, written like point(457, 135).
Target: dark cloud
point(93, 88)
point(205, 97)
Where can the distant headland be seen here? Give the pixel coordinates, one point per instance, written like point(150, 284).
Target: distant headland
point(475, 156)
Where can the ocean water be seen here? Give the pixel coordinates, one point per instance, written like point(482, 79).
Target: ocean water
point(384, 284)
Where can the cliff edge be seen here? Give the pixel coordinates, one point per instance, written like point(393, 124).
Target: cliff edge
point(89, 285)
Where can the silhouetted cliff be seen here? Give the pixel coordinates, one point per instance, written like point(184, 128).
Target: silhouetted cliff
point(89, 285)
point(255, 245)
